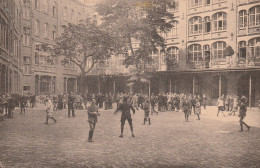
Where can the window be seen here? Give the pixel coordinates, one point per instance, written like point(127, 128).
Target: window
point(54, 9)
point(206, 49)
point(37, 27)
point(45, 83)
point(242, 49)
point(26, 61)
point(207, 24)
point(46, 29)
point(195, 3)
point(254, 47)
point(217, 50)
point(194, 54)
point(37, 48)
point(174, 5)
point(26, 36)
point(26, 88)
point(254, 16)
point(173, 53)
point(155, 57)
point(54, 32)
point(195, 25)
point(242, 19)
point(220, 21)
point(218, 1)
point(174, 31)
point(207, 2)
point(37, 4)
point(26, 9)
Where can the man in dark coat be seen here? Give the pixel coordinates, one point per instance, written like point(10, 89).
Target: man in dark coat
point(71, 100)
point(126, 115)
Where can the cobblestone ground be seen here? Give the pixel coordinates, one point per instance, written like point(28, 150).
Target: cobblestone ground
point(25, 141)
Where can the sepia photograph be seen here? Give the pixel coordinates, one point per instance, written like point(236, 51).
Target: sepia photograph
point(129, 83)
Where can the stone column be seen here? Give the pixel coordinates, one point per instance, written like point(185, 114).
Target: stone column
point(219, 86)
point(193, 85)
point(250, 91)
point(114, 86)
point(170, 85)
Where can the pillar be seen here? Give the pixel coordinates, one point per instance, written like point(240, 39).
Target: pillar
point(66, 85)
point(193, 85)
point(114, 86)
point(170, 85)
point(250, 90)
point(219, 86)
point(76, 85)
point(149, 91)
point(50, 87)
point(39, 85)
point(98, 86)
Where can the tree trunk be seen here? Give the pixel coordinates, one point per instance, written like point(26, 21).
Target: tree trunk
point(82, 88)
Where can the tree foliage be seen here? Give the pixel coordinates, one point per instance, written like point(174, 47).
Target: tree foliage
point(138, 26)
point(229, 51)
point(85, 44)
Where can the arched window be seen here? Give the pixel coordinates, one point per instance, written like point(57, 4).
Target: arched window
point(174, 31)
point(217, 50)
point(207, 24)
point(195, 25)
point(194, 53)
point(254, 16)
point(219, 21)
point(242, 49)
point(242, 18)
point(54, 8)
point(254, 47)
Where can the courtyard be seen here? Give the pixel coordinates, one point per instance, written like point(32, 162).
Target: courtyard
point(25, 141)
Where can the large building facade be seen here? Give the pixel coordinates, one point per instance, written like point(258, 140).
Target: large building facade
point(10, 41)
point(202, 29)
point(42, 22)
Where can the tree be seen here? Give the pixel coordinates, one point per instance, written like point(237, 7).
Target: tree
point(229, 51)
point(85, 44)
point(137, 20)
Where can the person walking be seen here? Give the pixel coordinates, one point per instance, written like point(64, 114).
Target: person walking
point(126, 115)
point(220, 104)
point(198, 108)
point(186, 107)
point(49, 111)
point(146, 107)
point(242, 113)
point(92, 118)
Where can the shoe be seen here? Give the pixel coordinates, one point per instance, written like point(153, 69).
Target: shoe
point(74, 116)
point(90, 140)
point(121, 136)
point(46, 123)
point(55, 121)
point(240, 131)
point(133, 135)
point(248, 128)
